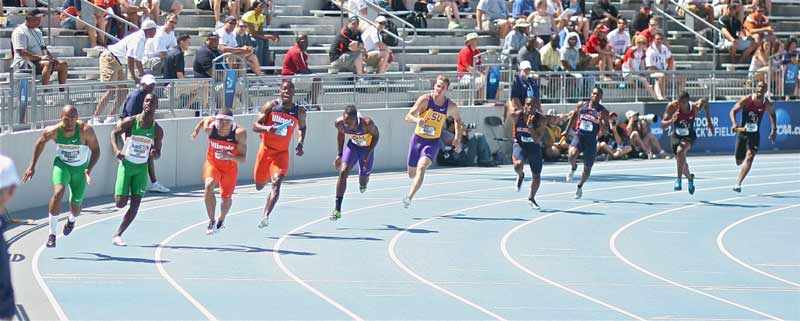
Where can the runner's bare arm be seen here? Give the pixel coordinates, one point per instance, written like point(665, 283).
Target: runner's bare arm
point(572, 118)
point(204, 124)
point(301, 132)
point(667, 119)
point(48, 134)
point(339, 124)
point(94, 146)
point(155, 152)
point(259, 125)
point(452, 110)
point(241, 146)
point(736, 108)
point(413, 114)
point(707, 108)
point(116, 134)
point(372, 129)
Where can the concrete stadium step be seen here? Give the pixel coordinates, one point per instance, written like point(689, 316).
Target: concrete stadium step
point(422, 40)
point(694, 65)
point(409, 58)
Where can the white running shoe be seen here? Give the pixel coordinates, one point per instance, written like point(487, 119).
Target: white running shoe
point(157, 187)
point(406, 202)
point(737, 188)
point(264, 222)
point(570, 175)
point(579, 193)
point(534, 205)
point(212, 226)
point(117, 240)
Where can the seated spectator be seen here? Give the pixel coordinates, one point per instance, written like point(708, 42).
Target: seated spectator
point(599, 51)
point(155, 7)
point(619, 39)
point(155, 49)
point(757, 26)
point(234, 6)
point(85, 13)
point(296, 63)
point(204, 58)
point(614, 142)
point(475, 149)
point(516, 39)
point(491, 15)
point(555, 146)
point(642, 19)
point(572, 28)
point(551, 58)
point(101, 22)
point(174, 63)
point(602, 9)
point(766, 4)
point(132, 12)
point(521, 9)
point(450, 10)
point(530, 54)
point(379, 55)
point(702, 9)
point(542, 23)
point(469, 63)
point(650, 33)
point(574, 11)
point(641, 138)
point(28, 44)
point(633, 65)
point(734, 39)
point(228, 44)
point(345, 52)
point(256, 20)
point(571, 54)
point(659, 58)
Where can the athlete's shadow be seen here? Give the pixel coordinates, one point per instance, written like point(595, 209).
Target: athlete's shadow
point(231, 249)
point(780, 196)
point(311, 236)
point(99, 257)
point(637, 202)
point(733, 205)
point(478, 219)
point(546, 211)
point(394, 228)
point(622, 177)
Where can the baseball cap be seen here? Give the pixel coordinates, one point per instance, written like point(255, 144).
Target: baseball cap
point(212, 35)
point(149, 24)
point(630, 114)
point(148, 79)
point(230, 19)
point(35, 13)
point(353, 19)
point(380, 19)
point(524, 65)
point(8, 172)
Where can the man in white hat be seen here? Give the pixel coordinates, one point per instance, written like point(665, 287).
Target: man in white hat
point(469, 63)
point(8, 184)
point(379, 55)
point(516, 39)
point(128, 51)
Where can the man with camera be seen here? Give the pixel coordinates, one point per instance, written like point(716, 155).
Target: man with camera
point(638, 130)
point(614, 143)
point(473, 146)
point(28, 44)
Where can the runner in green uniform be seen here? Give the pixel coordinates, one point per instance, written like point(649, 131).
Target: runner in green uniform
point(77, 152)
point(142, 141)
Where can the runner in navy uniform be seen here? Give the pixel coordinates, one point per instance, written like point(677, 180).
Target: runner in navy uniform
point(680, 114)
point(753, 108)
point(587, 119)
point(529, 130)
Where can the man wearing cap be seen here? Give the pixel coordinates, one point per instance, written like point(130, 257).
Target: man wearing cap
point(379, 55)
point(522, 87)
point(516, 39)
point(492, 15)
point(598, 49)
point(228, 44)
point(77, 151)
point(345, 52)
point(204, 58)
point(134, 104)
point(129, 51)
point(29, 45)
point(466, 57)
point(8, 185)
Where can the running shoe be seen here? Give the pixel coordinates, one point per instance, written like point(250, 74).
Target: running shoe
point(362, 189)
point(533, 204)
point(579, 193)
point(117, 240)
point(220, 227)
point(157, 187)
point(520, 178)
point(211, 226)
point(264, 222)
point(570, 175)
point(69, 227)
point(406, 202)
point(51, 240)
point(336, 215)
point(678, 185)
point(691, 184)
point(737, 188)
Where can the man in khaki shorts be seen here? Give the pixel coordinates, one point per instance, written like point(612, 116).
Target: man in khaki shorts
point(492, 15)
point(379, 55)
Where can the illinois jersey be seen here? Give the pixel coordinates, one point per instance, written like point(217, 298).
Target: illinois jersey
point(280, 139)
point(218, 145)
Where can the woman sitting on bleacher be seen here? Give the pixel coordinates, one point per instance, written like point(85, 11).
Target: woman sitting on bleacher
point(256, 20)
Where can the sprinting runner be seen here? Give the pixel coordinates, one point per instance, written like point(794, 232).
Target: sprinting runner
point(227, 148)
point(747, 141)
point(529, 130)
point(680, 114)
point(276, 124)
point(77, 151)
point(587, 119)
point(429, 114)
point(362, 137)
point(142, 141)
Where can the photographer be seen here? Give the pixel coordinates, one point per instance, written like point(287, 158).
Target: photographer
point(473, 145)
point(638, 130)
point(614, 143)
point(28, 44)
point(554, 145)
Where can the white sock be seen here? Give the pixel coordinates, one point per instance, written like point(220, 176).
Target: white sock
point(53, 223)
point(71, 217)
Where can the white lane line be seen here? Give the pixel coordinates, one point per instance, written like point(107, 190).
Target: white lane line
point(721, 245)
point(613, 245)
point(35, 261)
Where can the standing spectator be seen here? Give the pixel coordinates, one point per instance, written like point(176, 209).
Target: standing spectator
point(570, 54)
point(379, 55)
point(155, 49)
point(8, 184)
point(757, 26)
point(734, 39)
point(619, 39)
point(530, 54)
point(228, 44)
point(634, 63)
point(469, 63)
point(130, 50)
point(642, 19)
point(204, 58)
point(516, 39)
point(542, 22)
point(602, 9)
point(599, 51)
point(789, 75)
point(296, 63)
point(551, 58)
point(174, 63)
point(759, 65)
point(650, 33)
point(345, 52)
point(85, 13)
point(28, 44)
point(256, 20)
point(659, 58)
point(522, 9)
point(491, 15)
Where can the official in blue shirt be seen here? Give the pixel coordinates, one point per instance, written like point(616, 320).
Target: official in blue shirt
point(523, 86)
point(134, 103)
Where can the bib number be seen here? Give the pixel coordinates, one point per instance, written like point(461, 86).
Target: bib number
point(586, 125)
point(137, 149)
point(429, 130)
point(682, 131)
point(70, 154)
point(751, 127)
point(526, 139)
point(359, 141)
point(219, 155)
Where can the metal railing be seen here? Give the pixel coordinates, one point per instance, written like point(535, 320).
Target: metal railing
point(714, 45)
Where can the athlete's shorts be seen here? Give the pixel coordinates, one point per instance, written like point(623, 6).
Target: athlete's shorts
point(225, 177)
point(745, 141)
point(419, 147)
point(587, 145)
point(72, 176)
point(531, 152)
point(675, 140)
point(132, 179)
point(270, 162)
point(353, 153)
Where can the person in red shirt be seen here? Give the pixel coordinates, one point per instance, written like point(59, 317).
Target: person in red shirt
point(651, 31)
point(227, 148)
point(296, 63)
point(597, 48)
point(466, 57)
point(100, 17)
point(275, 125)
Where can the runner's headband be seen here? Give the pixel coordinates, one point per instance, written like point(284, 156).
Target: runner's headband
point(224, 117)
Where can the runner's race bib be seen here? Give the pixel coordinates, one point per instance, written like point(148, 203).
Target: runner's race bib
point(137, 149)
point(526, 139)
point(429, 130)
point(72, 155)
point(586, 125)
point(751, 127)
point(359, 141)
point(682, 131)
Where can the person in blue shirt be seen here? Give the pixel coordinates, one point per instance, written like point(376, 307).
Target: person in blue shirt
point(522, 87)
point(522, 9)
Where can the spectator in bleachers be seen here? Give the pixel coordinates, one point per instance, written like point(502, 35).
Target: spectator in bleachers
point(572, 28)
point(156, 48)
point(134, 102)
point(551, 58)
point(130, 50)
point(516, 39)
point(789, 56)
point(521, 9)
point(633, 64)
point(100, 20)
point(554, 145)
point(571, 54)
point(759, 65)
point(734, 39)
point(345, 52)
point(542, 23)
point(379, 55)
point(204, 58)
point(492, 15)
point(155, 7)
point(85, 13)
point(174, 63)
point(256, 20)
point(523, 86)
point(650, 33)
point(530, 54)
point(450, 9)
point(475, 150)
point(659, 58)
point(599, 51)
point(467, 56)
point(132, 12)
point(701, 8)
point(28, 44)
point(234, 6)
point(603, 9)
point(228, 44)
point(766, 4)
point(575, 11)
point(642, 19)
point(619, 39)
point(296, 63)
point(757, 26)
